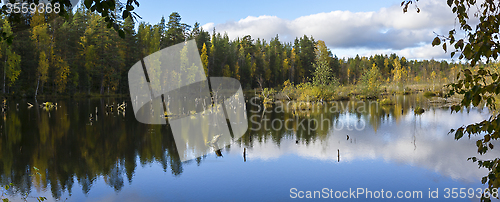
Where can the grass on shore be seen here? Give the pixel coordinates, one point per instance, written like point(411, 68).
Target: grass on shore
point(310, 93)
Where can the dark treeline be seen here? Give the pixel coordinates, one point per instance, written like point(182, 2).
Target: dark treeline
point(52, 55)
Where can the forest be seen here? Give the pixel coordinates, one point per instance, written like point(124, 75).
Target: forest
point(79, 56)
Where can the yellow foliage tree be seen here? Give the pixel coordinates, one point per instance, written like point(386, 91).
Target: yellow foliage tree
point(43, 67)
point(399, 74)
point(226, 72)
point(433, 77)
point(237, 71)
point(204, 58)
point(13, 68)
point(371, 81)
point(62, 72)
point(39, 34)
point(286, 67)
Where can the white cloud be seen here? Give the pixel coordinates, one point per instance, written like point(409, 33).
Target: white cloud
point(425, 51)
point(385, 30)
point(208, 26)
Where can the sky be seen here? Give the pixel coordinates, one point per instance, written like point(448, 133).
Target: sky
point(364, 27)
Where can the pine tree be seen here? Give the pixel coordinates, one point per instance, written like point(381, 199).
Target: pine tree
point(322, 74)
point(176, 31)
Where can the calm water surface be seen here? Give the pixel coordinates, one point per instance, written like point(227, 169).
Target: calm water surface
point(353, 145)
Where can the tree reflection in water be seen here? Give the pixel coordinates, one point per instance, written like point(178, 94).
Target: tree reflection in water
point(66, 147)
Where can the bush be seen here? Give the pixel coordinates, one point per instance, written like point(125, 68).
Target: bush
point(386, 101)
point(370, 82)
point(419, 110)
point(289, 90)
point(308, 91)
point(429, 94)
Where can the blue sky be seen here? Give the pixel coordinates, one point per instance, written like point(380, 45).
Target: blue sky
point(227, 10)
point(363, 27)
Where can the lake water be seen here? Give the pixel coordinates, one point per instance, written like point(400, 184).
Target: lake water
point(353, 146)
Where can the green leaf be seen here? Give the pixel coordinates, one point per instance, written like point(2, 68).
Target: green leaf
point(481, 72)
point(480, 149)
point(88, 3)
point(476, 100)
point(467, 72)
point(125, 14)
point(105, 6)
point(444, 47)
point(459, 134)
point(121, 33)
point(111, 5)
point(474, 159)
point(492, 176)
point(450, 2)
point(99, 7)
point(487, 138)
point(436, 41)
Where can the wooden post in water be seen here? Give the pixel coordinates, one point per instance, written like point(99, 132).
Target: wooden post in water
point(244, 154)
point(338, 155)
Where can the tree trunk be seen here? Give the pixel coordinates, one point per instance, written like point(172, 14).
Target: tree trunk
point(102, 85)
point(4, 72)
point(88, 86)
point(37, 84)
